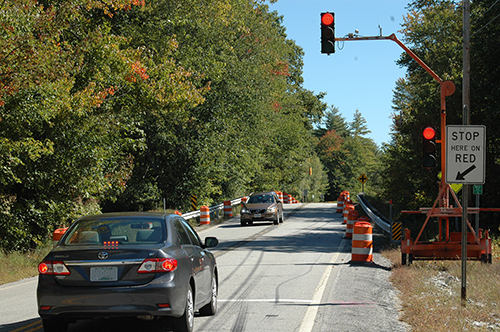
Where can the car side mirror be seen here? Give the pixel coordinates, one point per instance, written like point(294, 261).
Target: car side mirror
point(211, 242)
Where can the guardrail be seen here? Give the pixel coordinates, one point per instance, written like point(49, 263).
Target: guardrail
point(374, 215)
point(213, 209)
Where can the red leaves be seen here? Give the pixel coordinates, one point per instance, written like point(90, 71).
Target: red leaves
point(137, 71)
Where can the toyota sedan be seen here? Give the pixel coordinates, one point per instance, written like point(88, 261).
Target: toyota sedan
point(151, 266)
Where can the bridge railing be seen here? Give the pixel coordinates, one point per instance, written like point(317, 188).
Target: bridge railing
point(374, 215)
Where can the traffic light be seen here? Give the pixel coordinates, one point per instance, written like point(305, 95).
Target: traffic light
point(327, 33)
point(429, 147)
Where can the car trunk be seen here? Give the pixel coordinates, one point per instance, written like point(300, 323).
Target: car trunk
point(98, 266)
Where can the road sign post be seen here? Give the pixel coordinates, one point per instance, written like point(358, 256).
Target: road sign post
point(363, 178)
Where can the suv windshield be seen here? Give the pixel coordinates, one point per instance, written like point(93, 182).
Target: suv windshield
point(114, 231)
point(261, 199)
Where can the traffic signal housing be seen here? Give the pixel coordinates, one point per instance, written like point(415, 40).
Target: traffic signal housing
point(429, 148)
point(328, 33)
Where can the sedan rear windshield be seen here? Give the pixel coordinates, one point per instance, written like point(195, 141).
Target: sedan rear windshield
point(116, 231)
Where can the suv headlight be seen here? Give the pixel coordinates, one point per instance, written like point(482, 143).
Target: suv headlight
point(271, 209)
point(243, 210)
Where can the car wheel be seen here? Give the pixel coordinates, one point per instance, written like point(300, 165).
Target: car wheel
point(211, 308)
point(243, 223)
point(277, 220)
point(55, 325)
point(281, 219)
point(186, 321)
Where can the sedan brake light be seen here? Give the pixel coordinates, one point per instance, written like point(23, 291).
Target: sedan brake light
point(53, 268)
point(154, 265)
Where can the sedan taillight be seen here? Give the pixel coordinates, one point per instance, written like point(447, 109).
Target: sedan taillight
point(53, 268)
point(154, 265)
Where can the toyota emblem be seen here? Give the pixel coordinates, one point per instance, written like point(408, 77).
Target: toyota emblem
point(103, 255)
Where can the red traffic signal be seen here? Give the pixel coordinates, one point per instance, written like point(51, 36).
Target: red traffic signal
point(327, 33)
point(326, 18)
point(429, 133)
point(429, 149)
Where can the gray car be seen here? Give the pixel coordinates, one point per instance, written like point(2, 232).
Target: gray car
point(147, 265)
point(262, 206)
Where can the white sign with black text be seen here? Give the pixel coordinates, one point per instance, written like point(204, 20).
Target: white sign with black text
point(465, 154)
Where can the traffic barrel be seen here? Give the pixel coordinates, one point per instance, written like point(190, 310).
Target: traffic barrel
point(228, 209)
point(285, 198)
point(345, 212)
point(57, 235)
point(204, 215)
point(351, 218)
point(347, 195)
point(280, 195)
point(362, 242)
point(340, 203)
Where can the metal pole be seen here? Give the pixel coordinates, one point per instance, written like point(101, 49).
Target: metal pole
point(465, 121)
point(477, 215)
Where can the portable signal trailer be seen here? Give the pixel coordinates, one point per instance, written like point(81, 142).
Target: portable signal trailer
point(449, 244)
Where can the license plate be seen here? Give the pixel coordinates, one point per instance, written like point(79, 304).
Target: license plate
point(257, 215)
point(104, 273)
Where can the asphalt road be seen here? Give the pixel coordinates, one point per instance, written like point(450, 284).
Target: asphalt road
point(296, 276)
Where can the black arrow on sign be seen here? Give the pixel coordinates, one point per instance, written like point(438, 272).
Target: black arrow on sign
point(460, 176)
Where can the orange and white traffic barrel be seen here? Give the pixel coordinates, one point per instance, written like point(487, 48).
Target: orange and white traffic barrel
point(347, 195)
point(280, 195)
point(204, 215)
point(345, 212)
point(228, 209)
point(340, 204)
point(352, 217)
point(285, 198)
point(362, 242)
point(57, 235)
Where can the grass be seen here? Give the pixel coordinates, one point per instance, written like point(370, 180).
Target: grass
point(430, 293)
point(18, 265)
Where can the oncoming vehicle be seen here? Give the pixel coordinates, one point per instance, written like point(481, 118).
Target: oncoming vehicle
point(147, 265)
point(262, 206)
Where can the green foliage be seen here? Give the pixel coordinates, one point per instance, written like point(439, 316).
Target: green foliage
point(434, 31)
point(117, 105)
point(347, 153)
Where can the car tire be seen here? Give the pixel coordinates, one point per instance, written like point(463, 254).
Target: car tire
point(243, 223)
point(281, 219)
point(55, 325)
point(185, 323)
point(277, 220)
point(211, 308)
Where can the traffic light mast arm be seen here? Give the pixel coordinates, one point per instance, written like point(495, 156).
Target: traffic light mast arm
point(447, 89)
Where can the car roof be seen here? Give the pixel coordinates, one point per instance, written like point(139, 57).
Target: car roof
point(263, 193)
point(131, 215)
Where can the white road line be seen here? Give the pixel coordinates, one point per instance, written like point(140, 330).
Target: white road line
point(308, 321)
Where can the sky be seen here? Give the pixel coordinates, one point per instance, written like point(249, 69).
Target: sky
point(360, 75)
